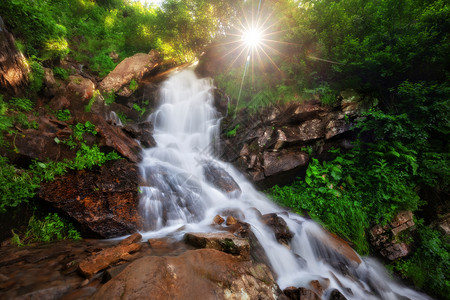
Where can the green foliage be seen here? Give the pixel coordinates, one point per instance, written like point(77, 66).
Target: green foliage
point(63, 115)
point(364, 187)
point(51, 228)
point(61, 73)
point(326, 95)
point(133, 85)
point(429, 266)
point(22, 104)
point(91, 102)
point(102, 64)
point(140, 109)
point(16, 186)
point(36, 23)
point(36, 76)
point(232, 132)
point(109, 98)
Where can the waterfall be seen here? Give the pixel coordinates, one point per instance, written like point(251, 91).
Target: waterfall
point(176, 198)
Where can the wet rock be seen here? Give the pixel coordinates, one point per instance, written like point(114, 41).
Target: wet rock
point(13, 66)
point(279, 162)
point(333, 249)
point(386, 238)
point(336, 295)
point(103, 201)
point(221, 179)
point(107, 257)
point(279, 228)
point(196, 274)
point(319, 286)
point(131, 68)
point(231, 220)
point(142, 132)
point(294, 293)
point(218, 220)
point(222, 241)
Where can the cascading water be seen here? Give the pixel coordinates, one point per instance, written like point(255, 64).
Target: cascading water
point(177, 198)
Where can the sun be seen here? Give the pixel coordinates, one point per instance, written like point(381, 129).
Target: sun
point(252, 37)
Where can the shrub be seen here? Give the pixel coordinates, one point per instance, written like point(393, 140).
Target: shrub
point(51, 228)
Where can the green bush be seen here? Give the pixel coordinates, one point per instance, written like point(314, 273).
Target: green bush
point(51, 228)
point(364, 187)
point(61, 73)
point(16, 186)
point(36, 76)
point(429, 267)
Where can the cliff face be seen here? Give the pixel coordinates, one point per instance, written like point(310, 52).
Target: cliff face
point(274, 147)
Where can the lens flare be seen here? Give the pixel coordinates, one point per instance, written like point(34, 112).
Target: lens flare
point(252, 37)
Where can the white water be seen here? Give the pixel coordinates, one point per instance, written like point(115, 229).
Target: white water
point(178, 199)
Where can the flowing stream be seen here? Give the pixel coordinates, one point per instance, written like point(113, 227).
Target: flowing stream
point(179, 199)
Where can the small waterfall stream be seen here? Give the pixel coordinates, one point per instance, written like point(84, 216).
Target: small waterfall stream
point(177, 199)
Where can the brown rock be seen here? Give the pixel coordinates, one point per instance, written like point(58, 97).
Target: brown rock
point(402, 218)
point(79, 91)
point(231, 220)
point(336, 295)
point(13, 66)
point(105, 258)
point(278, 162)
point(279, 227)
point(395, 251)
point(330, 247)
point(336, 127)
point(49, 83)
point(134, 238)
point(294, 293)
point(112, 136)
point(197, 274)
point(131, 68)
point(319, 286)
point(443, 225)
point(40, 145)
point(385, 238)
point(223, 241)
point(218, 220)
point(296, 134)
point(103, 201)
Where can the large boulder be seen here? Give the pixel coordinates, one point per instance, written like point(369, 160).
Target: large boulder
point(13, 66)
point(103, 201)
point(196, 274)
point(131, 68)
